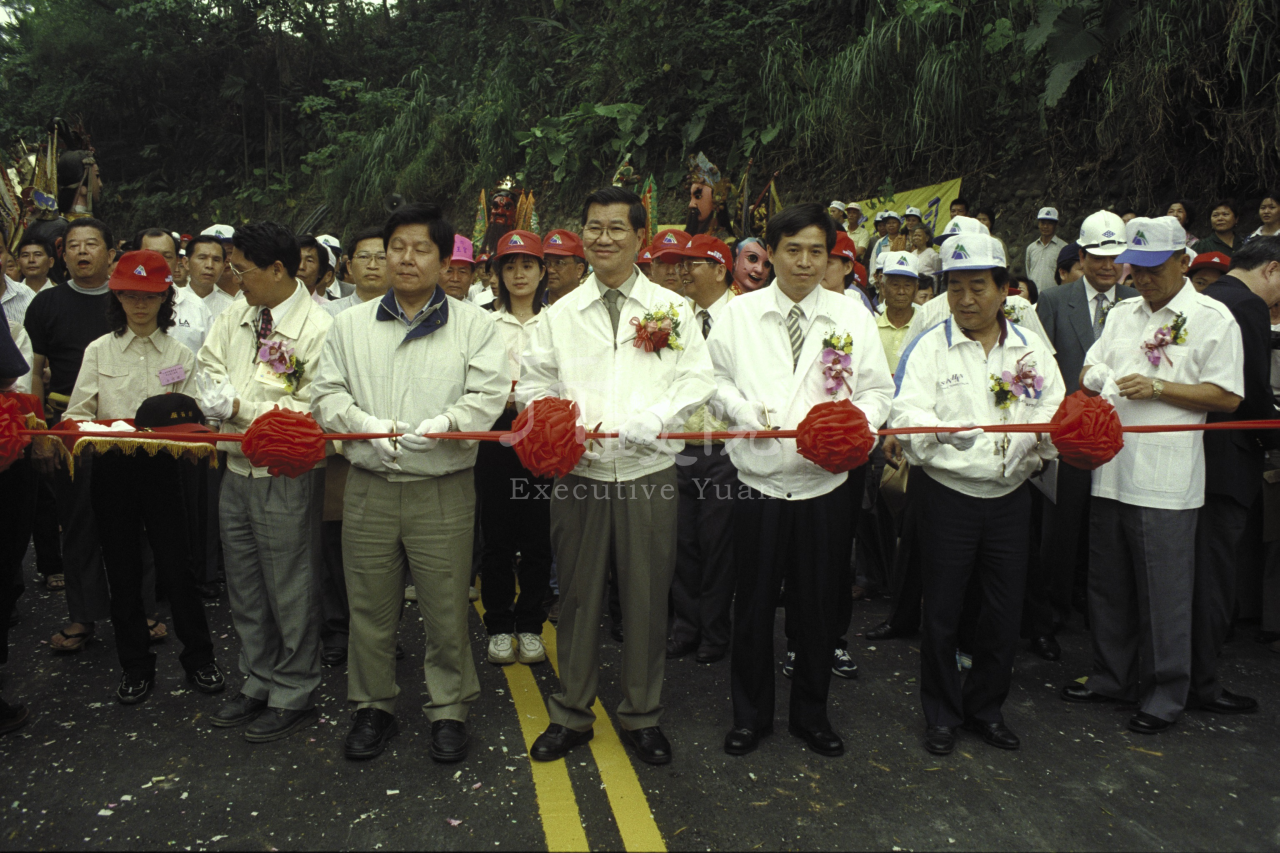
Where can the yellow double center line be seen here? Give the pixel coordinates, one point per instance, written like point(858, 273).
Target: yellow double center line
point(557, 804)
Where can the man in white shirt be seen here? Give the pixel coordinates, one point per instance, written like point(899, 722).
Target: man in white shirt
point(191, 317)
point(778, 352)
point(1167, 358)
point(977, 367)
point(14, 299)
point(367, 261)
point(1042, 255)
point(268, 524)
point(35, 258)
point(702, 588)
point(422, 363)
point(623, 497)
point(207, 273)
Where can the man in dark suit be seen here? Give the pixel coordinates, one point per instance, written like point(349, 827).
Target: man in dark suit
point(1233, 472)
point(1073, 316)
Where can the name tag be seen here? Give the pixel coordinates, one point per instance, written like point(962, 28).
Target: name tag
point(267, 376)
point(172, 375)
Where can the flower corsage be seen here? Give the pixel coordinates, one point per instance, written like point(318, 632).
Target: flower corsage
point(837, 360)
point(658, 330)
point(1024, 383)
point(279, 357)
point(1172, 334)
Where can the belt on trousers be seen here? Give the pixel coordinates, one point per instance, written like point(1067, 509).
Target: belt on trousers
point(57, 403)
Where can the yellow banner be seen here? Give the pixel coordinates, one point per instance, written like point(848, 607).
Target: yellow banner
point(934, 203)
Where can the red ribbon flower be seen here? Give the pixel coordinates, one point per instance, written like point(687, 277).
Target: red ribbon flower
point(1088, 434)
point(651, 336)
point(12, 441)
point(547, 437)
point(284, 442)
point(835, 436)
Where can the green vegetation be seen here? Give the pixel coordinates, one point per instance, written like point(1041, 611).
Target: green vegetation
point(223, 110)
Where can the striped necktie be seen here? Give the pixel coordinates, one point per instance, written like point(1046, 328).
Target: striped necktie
point(797, 336)
point(706, 322)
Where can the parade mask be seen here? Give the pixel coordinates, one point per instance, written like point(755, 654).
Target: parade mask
point(502, 209)
point(749, 270)
point(700, 199)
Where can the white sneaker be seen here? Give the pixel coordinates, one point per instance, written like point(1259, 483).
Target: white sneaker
point(531, 649)
point(501, 650)
point(410, 593)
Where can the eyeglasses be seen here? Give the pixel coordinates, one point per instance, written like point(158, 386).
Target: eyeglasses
point(616, 233)
point(239, 274)
point(370, 257)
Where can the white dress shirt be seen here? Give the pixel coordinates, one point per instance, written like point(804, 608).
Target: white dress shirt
point(575, 354)
point(1165, 470)
point(192, 319)
point(1042, 261)
point(22, 384)
point(1275, 367)
point(120, 371)
point(15, 299)
point(515, 337)
point(751, 350)
point(337, 306)
point(937, 309)
point(945, 379)
point(219, 300)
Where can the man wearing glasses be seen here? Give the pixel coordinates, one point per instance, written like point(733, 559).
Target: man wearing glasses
point(622, 498)
point(368, 267)
point(566, 263)
point(269, 525)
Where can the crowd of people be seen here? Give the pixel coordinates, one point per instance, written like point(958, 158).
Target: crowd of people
point(410, 331)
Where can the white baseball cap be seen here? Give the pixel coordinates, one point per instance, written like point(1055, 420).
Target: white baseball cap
point(1152, 241)
point(222, 232)
point(838, 205)
point(1050, 213)
point(894, 214)
point(880, 216)
point(1102, 233)
point(914, 211)
point(334, 248)
point(900, 263)
point(971, 252)
point(961, 225)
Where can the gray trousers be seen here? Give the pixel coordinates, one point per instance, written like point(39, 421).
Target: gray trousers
point(267, 526)
point(1218, 534)
point(702, 589)
point(636, 520)
point(1141, 575)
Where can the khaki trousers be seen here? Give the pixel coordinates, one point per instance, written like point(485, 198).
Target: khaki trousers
point(636, 519)
point(428, 523)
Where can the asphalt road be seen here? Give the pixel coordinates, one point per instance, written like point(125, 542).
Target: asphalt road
point(88, 772)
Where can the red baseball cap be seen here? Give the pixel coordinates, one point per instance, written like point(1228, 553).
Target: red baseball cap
point(519, 243)
point(1210, 260)
point(646, 257)
point(707, 248)
point(672, 241)
point(561, 242)
point(844, 248)
point(142, 270)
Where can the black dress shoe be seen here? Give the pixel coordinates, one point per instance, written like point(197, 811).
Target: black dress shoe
point(1229, 703)
point(940, 740)
point(12, 717)
point(1146, 724)
point(369, 734)
point(240, 710)
point(711, 654)
point(208, 591)
point(615, 631)
point(824, 742)
point(650, 744)
point(883, 631)
point(996, 734)
point(1077, 692)
point(556, 741)
point(333, 656)
point(742, 740)
point(275, 723)
point(1047, 647)
point(678, 649)
point(448, 741)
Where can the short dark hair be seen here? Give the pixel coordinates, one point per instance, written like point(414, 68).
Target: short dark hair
point(30, 240)
point(119, 321)
point(1229, 203)
point(266, 242)
point(439, 229)
point(794, 219)
point(205, 238)
point(989, 212)
point(308, 241)
point(372, 232)
point(959, 200)
point(154, 232)
point(104, 231)
point(1026, 283)
point(1186, 205)
point(1269, 194)
point(617, 195)
point(1255, 253)
point(504, 295)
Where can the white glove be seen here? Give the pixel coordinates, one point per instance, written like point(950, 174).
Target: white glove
point(387, 452)
point(640, 429)
point(118, 426)
point(1020, 445)
point(217, 399)
point(750, 417)
point(414, 441)
point(962, 440)
point(1097, 377)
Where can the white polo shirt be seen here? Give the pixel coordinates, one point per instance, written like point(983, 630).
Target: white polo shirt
point(1165, 470)
point(192, 319)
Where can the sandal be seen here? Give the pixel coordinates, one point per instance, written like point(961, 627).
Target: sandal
point(57, 582)
point(157, 630)
point(71, 643)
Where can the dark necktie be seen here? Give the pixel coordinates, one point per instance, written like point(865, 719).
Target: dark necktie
point(706, 323)
point(265, 324)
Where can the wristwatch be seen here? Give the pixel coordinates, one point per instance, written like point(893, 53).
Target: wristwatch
point(1157, 388)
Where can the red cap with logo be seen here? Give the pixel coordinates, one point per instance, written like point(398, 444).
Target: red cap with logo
point(646, 257)
point(1210, 260)
point(845, 248)
point(519, 243)
point(704, 247)
point(561, 242)
point(142, 270)
point(669, 243)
